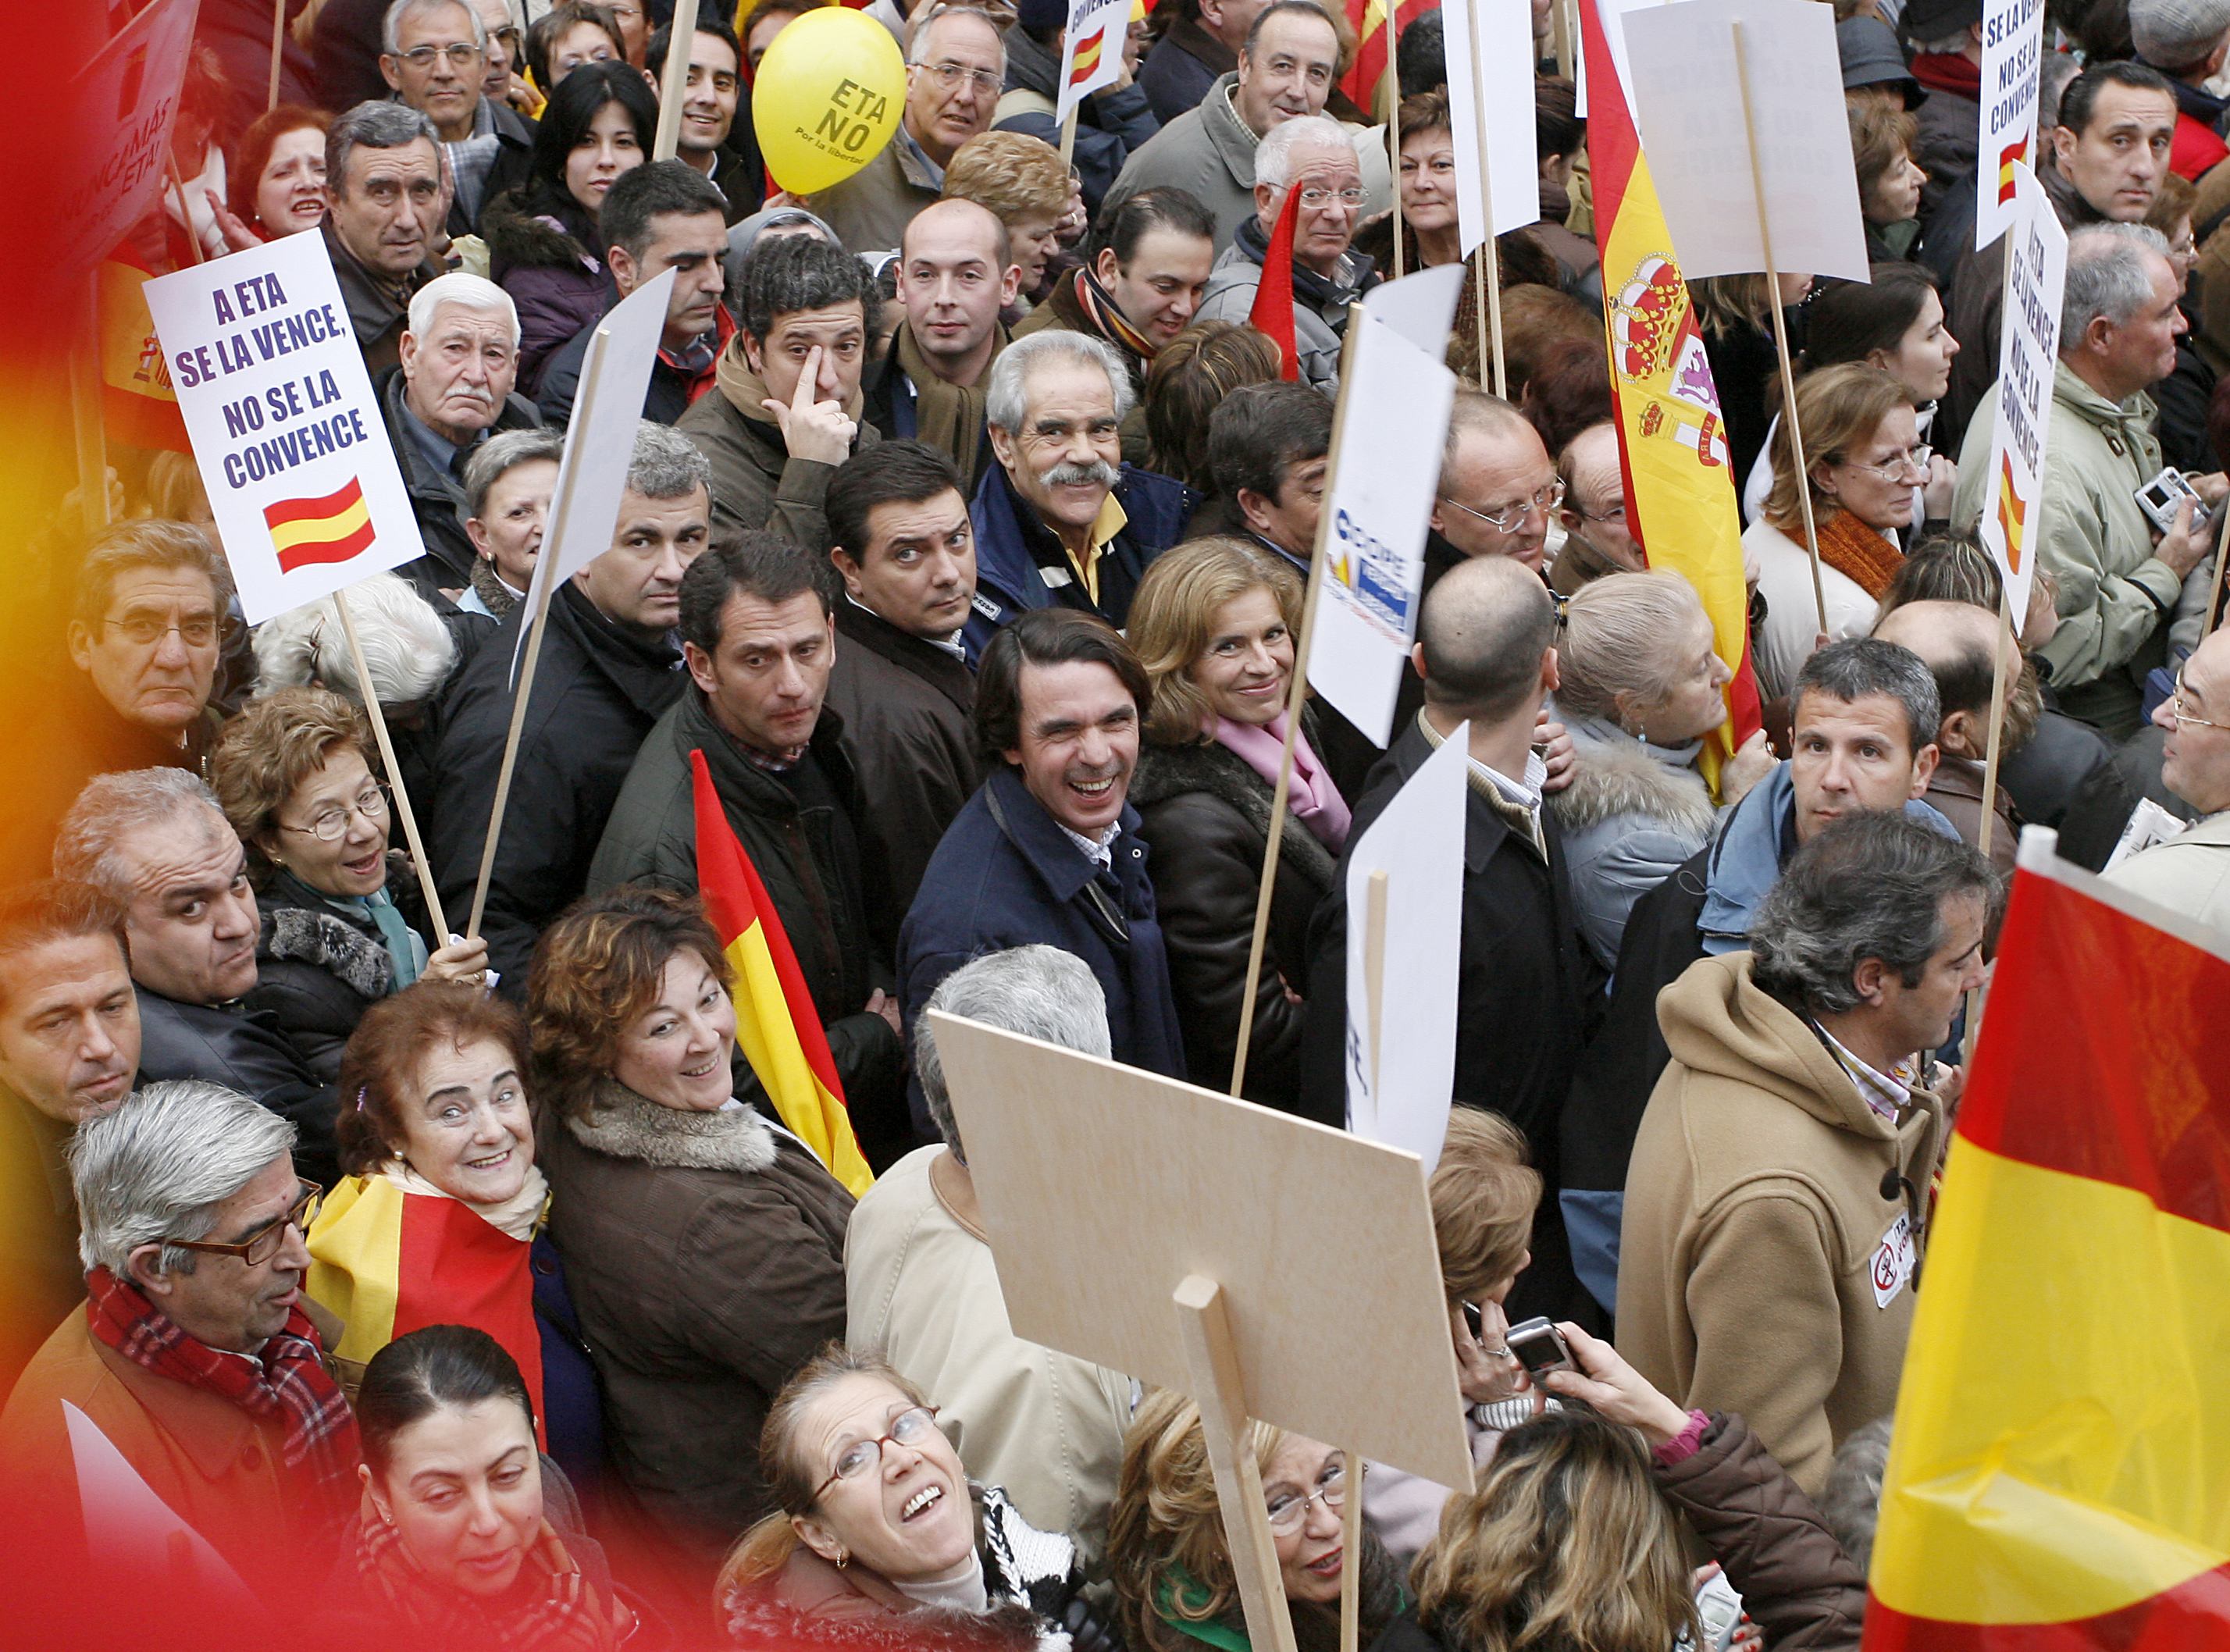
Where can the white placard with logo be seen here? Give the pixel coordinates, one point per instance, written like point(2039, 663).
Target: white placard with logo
point(2028, 353)
point(1092, 53)
point(2013, 55)
point(285, 426)
point(1688, 105)
point(1501, 190)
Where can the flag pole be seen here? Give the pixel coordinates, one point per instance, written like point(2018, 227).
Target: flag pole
point(1780, 333)
point(1394, 131)
point(185, 211)
point(1486, 277)
point(277, 46)
point(1068, 139)
point(1297, 693)
point(370, 696)
point(673, 82)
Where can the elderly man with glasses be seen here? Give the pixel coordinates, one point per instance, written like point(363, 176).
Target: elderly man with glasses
point(2190, 872)
point(195, 1355)
point(1498, 489)
point(437, 57)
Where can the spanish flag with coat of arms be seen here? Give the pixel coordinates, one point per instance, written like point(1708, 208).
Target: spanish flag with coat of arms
point(776, 1022)
point(2059, 1477)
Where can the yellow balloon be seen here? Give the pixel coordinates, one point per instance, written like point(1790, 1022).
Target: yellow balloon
point(827, 98)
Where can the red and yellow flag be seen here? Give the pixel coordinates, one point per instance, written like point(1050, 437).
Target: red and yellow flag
point(1366, 80)
point(1086, 57)
point(138, 404)
point(1271, 312)
point(329, 530)
point(776, 1023)
point(2059, 1478)
point(1672, 441)
point(390, 1262)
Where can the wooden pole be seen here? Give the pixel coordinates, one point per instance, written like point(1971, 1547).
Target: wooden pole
point(1373, 962)
point(1394, 132)
point(186, 210)
point(2221, 556)
point(85, 414)
point(510, 752)
point(2006, 637)
point(277, 46)
point(673, 83)
point(1068, 140)
point(1219, 1390)
point(1351, 1544)
point(370, 696)
point(1780, 334)
point(1486, 278)
point(1373, 988)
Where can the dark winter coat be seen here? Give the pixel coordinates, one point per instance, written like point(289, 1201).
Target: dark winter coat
point(437, 496)
point(377, 306)
point(556, 277)
point(1207, 811)
point(905, 704)
point(704, 1252)
point(244, 1050)
point(598, 691)
point(1528, 990)
point(318, 969)
point(756, 483)
point(1183, 64)
point(1006, 874)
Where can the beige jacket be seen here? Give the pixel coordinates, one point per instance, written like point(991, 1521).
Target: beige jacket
point(1758, 1270)
point(2188, 874)
point(922, 1289)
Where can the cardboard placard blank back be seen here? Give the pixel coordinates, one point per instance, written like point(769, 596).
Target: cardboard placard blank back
point(1103, 1187)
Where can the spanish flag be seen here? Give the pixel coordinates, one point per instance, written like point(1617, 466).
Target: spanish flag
point(2013, 511)
point(1671, 442)
point(390, 1262)
point(1086, 58)
point(138, 404)
point(2059, 1477)
point(331, 529)
point(1367, 82)
point(2014, 152)
point(775, 1021)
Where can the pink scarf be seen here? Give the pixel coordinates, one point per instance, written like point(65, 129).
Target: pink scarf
point(1315, 802)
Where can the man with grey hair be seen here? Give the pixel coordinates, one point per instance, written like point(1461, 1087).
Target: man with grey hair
point(433, 56)
point(920, 1285)
point(384, 175)
point(1778, 1197)
point(195, 1354)
point(453, 386)
point(955, 68)
point(154, 841)
point(609, 668)
point(1061, 520)
point(1309, 160)
point(2120, 577)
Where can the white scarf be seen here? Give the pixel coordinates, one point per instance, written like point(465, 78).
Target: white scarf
point(518, 1216)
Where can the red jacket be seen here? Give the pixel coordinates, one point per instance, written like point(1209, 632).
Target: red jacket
point(2195, 149)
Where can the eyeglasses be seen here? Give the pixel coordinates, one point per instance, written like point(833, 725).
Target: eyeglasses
point(144, 630)
point(1512, 517)
point(1313, 197)
point(506, 37)
point(1287, 1511)
point(909, 1427)
point(1912, 460)
point(1616, 513)
point(462, 54)
point(949, 76)
point(262, 1245)
point(2183, 718)
point(331, 825)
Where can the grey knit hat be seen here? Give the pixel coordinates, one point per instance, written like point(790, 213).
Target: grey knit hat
point(2175, 33)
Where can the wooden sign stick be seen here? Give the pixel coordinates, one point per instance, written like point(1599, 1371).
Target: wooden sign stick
point(370, 697)
point(1350, 1514)
point(1486, 277)
point(1394, 135)
point(186, 212)
point(2221, 557)
point(1068, 140)
point(673, 83)
point(1997, 718)
point(1781, 336)
point(277, 46)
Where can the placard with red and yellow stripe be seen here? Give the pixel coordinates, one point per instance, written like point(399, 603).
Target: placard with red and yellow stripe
point(1091, 55)
point(2059, 1477)
point(331, 529)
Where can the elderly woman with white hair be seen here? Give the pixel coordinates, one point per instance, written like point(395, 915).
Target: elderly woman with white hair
point(195, 1357)
point(508, 483)
point(1642, 684)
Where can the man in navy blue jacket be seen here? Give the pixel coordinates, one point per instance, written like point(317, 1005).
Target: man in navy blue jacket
point(1048, 850)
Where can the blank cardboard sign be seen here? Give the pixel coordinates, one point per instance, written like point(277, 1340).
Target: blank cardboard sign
point(1103, 1188)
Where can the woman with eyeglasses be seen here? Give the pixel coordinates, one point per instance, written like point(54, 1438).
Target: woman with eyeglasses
point(879, 1540)
point(1863, 460)
point(342, 924)
point(1175, 1589)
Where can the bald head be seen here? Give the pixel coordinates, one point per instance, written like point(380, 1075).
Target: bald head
point(1954, 640)
point(948, 227)
point(1483, 642)
point(1590, 467)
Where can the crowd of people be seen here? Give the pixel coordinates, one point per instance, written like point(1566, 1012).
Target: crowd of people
point(459, 1279)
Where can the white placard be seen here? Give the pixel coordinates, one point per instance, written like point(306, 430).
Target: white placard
point(1688, 106)
point(2028, 352)
point(128, 100)
point(293, 453)
point(132, 1535)
point(1490, 58)
point(1393, 414)
point(1419, 844)
point(2013, 55)
point(1092, 53)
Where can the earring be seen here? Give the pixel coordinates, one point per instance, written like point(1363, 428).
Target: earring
point(843, 1559)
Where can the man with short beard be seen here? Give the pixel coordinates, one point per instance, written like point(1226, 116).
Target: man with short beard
point(1060, 521)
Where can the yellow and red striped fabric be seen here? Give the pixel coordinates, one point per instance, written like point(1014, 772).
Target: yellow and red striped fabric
point(1366, 76)
point(776, 1022)
point(2059, 1478)
point(1672, 441)
point(390, 1262)
point(329, 530)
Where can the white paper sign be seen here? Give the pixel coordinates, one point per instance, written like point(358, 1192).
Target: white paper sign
point(127, 98)
point(1688, 105)
point(285, 429)
point(1419, 844)
point(1393, 402)
point(2028, 351)
point(2012, 54)
point(1092, 54)
point(1490, 57)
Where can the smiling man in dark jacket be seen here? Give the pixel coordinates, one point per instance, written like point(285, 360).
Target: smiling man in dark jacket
point(759, 643)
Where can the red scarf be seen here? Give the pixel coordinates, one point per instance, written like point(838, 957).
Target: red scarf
point(1949, 72)
point(550, 1606)
point(290, 1383)
point(1859, 553)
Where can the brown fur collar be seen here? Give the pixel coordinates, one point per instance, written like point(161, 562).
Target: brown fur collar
point(627, 1125)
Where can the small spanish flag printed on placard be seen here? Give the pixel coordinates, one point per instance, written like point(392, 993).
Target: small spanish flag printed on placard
point(329, 530)
point(1087, 58)
point(2014, 152)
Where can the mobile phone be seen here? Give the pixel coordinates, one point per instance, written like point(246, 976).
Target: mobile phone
point(1719, 1610)
point(1540, 1348)
point(2159, 498)
point(1473, 1322)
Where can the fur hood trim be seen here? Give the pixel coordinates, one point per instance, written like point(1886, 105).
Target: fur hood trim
point(329, 941)
point(520, 237)
point(626, 1126)
point(1165, 772)
point(1615, 778)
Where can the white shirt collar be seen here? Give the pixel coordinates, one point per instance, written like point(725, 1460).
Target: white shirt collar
point(1100, 850)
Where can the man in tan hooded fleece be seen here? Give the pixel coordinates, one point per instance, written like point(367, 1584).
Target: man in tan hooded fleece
point(1778, 1191)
